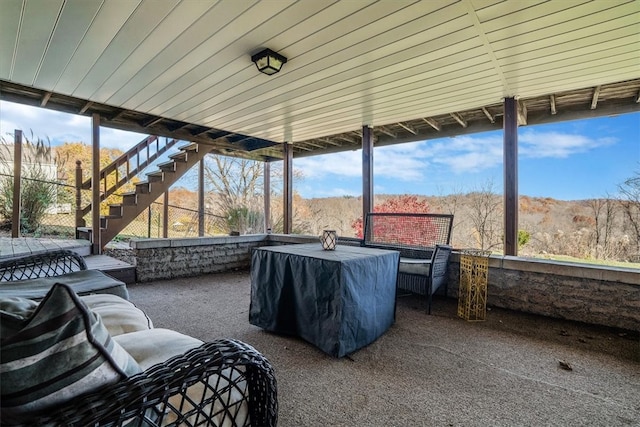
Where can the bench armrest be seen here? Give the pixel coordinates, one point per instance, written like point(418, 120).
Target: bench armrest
point(226, 374)
point(46, 264)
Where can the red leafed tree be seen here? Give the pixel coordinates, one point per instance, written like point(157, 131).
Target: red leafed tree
point(392, 230)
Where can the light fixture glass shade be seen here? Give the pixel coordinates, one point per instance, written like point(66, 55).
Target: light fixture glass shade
point(268, 61)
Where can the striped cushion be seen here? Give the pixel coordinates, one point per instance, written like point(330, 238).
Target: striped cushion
point(60, 351)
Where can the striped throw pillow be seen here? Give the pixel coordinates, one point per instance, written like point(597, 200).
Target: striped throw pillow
point(61, 351)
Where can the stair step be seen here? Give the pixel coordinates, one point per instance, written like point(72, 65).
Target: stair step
point(113, 267)
point(156, 176)
point(179, 157)
point(129, 198)
point(115, 209)
point(193, 146)
point(167, 166)
point(143, 187)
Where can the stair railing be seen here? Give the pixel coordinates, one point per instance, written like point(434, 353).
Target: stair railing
point(132, 161)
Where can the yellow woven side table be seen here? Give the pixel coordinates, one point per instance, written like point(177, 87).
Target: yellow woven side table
point(472, 293)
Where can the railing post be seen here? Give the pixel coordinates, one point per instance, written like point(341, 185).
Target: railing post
point(17, 179)
point(165, 215)
point(79, 218)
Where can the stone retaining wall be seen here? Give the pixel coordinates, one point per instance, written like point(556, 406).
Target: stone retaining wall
point(172, 258)
point(586, 293)
point(599, 295)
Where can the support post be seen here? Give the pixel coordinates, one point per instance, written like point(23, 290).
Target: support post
point(79, 218)
point(266, 183)
point(510, 177)
point(201, 198)
point(96, 235)
point(367, 171)
point(287, 192)
point(17, 179)
point(165, 214)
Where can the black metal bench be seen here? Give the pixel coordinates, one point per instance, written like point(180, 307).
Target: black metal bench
point(423, 242)
point(31, 276)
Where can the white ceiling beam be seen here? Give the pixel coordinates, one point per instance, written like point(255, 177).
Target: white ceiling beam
point(594, 99)
point(386, 131)
point(408, 128)
point(433, 123)
point(552, 101)
point(85, 107)
point(522, 113)
point(486, 112)
point(45, 99)
point(458, 118)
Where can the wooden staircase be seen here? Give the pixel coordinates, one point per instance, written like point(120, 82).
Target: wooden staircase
point(146, 192)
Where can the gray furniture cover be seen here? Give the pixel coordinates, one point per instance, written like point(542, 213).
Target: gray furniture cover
point(337, 300)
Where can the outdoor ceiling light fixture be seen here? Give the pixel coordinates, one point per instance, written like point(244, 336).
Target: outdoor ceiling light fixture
point(268, 61)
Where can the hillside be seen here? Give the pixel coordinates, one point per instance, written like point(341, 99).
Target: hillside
point(575, 228)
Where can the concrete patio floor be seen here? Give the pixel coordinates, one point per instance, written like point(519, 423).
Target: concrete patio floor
point(436, 370)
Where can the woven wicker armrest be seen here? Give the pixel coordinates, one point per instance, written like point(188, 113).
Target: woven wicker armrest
point(46, 264)
point(223, 381)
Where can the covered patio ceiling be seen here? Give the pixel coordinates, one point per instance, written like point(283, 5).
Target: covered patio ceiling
point(412, 70)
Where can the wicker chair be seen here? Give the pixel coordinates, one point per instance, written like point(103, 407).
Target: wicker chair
point(46, 264)
point(423, 242)
point(163, 395)
point(31, 276)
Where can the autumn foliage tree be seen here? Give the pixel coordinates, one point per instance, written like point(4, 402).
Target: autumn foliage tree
point(390, 227)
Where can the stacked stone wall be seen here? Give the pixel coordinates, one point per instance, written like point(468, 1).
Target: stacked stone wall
point(611, 301)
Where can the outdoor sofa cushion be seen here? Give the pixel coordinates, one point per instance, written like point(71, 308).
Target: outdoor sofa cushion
point(155, 346)
point(118, 315)
point(54, 353)
point(83, 282)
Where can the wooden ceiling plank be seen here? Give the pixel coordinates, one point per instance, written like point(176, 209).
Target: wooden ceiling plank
point(343, 55)
point(466, 78)
point(36, 25)
point(549, 39)
point(547, 17)
point(306, 100)
point(183, 89)
point(138, 27)
point(10, 19)
point(391, 98)
point(73, 23)
point(218, 54)
point(104, 27)
point(147, 58)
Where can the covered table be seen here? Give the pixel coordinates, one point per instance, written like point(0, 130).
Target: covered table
point(338, 300)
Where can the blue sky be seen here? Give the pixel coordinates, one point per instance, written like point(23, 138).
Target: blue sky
point(568, 161)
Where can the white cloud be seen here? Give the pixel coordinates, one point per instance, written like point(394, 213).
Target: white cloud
point(557, 145)
point(59, 127)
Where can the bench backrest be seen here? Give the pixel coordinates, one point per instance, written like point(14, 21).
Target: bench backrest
point(411, 233)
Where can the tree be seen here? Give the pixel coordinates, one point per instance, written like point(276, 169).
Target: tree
point(74, 151)
point(484, 214)
point(406, 204)
point(237, 191)
point(630, 203)
point(39, 185)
